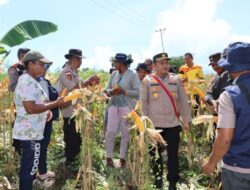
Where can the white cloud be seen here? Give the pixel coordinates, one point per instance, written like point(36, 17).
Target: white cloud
point(3, 2)
point(191, 25)
point(101, 59)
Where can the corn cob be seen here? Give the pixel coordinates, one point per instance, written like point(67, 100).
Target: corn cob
point(64, 92)
point(137, 121)
point(72, 95)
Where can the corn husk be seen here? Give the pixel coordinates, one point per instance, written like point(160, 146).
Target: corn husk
point(156, 136)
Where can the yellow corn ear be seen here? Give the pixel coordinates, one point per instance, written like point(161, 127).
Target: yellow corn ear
point(64, 92)
point(72, 95)
point(199, 92)
point(137, 121)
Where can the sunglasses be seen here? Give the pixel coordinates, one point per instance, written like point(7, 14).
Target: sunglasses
point(46, 66)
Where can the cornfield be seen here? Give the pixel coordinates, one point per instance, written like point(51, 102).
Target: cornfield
point(91, 173)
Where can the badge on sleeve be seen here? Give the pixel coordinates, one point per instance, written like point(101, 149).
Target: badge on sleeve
point(156, 95)
point(173, 93)
point(68, 75)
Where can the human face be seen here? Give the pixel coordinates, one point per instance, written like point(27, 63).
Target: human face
point(36, 68)
point(149, 65)
point(188, 60)
point(217, 68)
point(141, 74)
point(161, 67)
point(120, 66)
point(76, 62)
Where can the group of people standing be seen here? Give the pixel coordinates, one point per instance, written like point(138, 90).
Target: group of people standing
point(37, 104)
point(162, 97)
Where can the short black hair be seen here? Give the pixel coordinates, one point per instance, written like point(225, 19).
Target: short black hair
point(189, 54)
point(22, 51)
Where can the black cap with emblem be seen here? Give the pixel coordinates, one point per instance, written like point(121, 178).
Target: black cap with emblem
point(160, 56)
point(214, 58)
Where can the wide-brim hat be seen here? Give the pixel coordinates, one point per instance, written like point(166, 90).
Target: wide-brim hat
point(237, 57)
point(160, 56)
point(75, 53)
point(35, 55)
point(121, 57)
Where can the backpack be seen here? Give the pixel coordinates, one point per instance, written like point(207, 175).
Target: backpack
point(53, 95)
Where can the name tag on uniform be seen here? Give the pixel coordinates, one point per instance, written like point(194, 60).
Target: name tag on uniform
point(155, 84)
point(172, 83)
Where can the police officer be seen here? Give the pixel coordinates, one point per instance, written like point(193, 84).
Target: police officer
point(232, 143)
point(17, 69)
point(221, 80)
point(70, 80)
point(163, 99)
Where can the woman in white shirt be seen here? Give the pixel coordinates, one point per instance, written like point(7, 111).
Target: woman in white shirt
point(32, 114)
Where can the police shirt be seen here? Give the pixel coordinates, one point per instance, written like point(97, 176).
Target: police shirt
point(157, 105)
point(68, 79)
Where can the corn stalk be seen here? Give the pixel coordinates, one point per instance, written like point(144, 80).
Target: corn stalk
point(86, 113)
point(143, 137)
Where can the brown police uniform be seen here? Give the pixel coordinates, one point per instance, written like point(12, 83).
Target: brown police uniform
point(14, 72)
point(157, 105)
point(69, 79)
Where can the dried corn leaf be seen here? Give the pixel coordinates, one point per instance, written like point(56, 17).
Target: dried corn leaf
point(156, 136)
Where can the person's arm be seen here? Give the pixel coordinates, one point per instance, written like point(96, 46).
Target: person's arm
point(32, 108)
point(27, 92)
point(209, 95)
point(92, 80)
point(13, 78)
point(134, 92)
point(182, 75)
point(225, 132)
point(184, 107)
point(144, 96)
point(220, 148)
point(200, 73)
point(109, 88)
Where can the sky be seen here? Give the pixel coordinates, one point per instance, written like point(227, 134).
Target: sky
point(102, 28)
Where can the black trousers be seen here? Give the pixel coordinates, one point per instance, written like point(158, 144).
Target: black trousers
point(72, 139)
point(29, 163)
point(172, 137)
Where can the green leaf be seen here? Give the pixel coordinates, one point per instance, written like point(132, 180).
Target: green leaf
point(27, 30)
point(3, 50)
